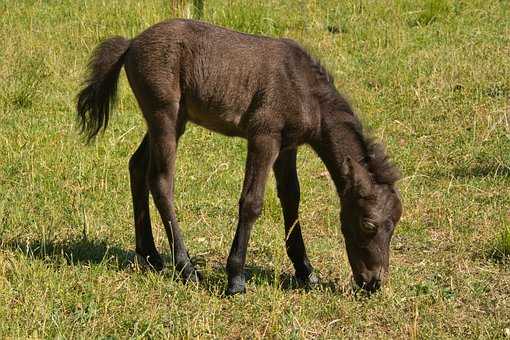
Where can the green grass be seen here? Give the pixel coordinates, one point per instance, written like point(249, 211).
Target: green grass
point(501, 248)
point(430, 78)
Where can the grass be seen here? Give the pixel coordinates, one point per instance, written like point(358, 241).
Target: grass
point(430, 78)
point(501, 248)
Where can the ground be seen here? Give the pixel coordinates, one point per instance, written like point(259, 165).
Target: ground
point(429, 78)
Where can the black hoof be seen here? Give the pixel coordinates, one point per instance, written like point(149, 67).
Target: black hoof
point(236, 286)
point(308, 281)
point(190, 274)
point(150, 262)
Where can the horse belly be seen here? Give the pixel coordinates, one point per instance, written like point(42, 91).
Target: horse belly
point(226, 122)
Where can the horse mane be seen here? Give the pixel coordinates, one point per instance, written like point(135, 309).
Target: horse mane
point(377, 160)
point(326, 89)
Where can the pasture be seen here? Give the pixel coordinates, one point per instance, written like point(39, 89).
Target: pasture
point(430, 78)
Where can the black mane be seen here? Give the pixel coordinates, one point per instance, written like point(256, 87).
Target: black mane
point(376, 160)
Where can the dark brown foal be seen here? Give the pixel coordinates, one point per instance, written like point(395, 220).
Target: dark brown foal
point(268, 91)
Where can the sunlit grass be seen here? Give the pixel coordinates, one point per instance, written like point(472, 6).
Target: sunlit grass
point(501, 247)
point(430, 78)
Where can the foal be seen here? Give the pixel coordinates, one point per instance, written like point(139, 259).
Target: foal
point(269, 91)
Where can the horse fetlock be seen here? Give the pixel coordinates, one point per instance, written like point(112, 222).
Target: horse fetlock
point(188, 272)
point(151, 261)
point(309, 279)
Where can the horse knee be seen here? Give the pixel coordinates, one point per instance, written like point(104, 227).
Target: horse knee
point(157, 181)
point(250, 208)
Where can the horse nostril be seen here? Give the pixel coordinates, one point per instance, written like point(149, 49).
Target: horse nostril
point(375, 284)
point(361, 281)
point(369, 284)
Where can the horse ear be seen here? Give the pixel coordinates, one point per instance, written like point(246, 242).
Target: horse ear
point(346, 167)
point(356, 177)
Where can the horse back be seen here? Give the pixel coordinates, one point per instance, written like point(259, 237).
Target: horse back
point(227, 81)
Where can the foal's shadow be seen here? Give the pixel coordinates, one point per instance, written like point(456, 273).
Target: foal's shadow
point(216, 279)
point(482, 170)
point(74, 252)
point(84, 251)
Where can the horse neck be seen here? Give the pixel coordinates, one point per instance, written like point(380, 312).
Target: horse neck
point(340, 137)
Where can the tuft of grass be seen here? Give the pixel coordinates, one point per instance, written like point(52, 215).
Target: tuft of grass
point(428, 12)
point(500, 249)
point(250, 17)
point(24, 83)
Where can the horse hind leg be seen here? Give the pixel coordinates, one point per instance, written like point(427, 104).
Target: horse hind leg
point(158, 95)
point(166, 124)
point(146, 251)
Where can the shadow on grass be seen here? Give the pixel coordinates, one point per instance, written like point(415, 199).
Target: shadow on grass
point(482, 170)
point(74, 252)
point(259, 276)
point(83, 251)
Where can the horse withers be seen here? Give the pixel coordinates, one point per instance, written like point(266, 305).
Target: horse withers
point(270, 92)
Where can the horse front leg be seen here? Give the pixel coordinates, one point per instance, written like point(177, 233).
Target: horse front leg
point(287, 185)
point(262, 152)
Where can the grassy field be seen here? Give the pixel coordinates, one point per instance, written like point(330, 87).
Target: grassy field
point(430, 78)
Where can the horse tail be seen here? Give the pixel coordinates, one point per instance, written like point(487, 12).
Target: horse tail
point(97, 97)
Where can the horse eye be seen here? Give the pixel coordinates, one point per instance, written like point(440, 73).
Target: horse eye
point(369, 227)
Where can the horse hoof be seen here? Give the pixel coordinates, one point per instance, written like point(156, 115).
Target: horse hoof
point(231, 291)
point(189, 273)
point(236, 286)
point(194, 276)
point(149, 262)
point(309, 281)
